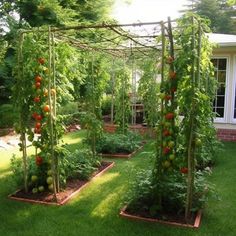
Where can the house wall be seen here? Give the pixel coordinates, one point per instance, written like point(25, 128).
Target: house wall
point(226, 128)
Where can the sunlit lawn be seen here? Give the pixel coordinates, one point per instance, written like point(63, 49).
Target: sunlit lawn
point(95, 210)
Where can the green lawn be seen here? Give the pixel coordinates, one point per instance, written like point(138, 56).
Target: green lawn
point(95, 210)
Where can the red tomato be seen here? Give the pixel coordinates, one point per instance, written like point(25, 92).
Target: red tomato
point(38, 117)
point(41, 60)
point(34, 115)
point(38, 78)
point(166, 150)
point(46, 108)
point(166, 132)
point(172, 74)
point(37, 99)
point(38, 160)
point(169, 60)
point(38, 125)
point(184, 170)
point(169, 116)
point(168, 97)
point(37, 84)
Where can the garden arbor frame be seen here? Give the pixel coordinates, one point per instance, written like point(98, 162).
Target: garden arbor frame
point(115, 45)
point(119, 49)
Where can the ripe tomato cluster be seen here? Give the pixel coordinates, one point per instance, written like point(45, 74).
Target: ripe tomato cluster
point(167, 95)
point(40, 107)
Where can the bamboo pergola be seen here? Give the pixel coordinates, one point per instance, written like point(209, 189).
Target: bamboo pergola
point(121, 41)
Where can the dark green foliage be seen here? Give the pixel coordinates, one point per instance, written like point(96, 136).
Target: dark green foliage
point(141, 194)
point(8, 116)
point(80, 164)
point(118, 143)
point(106, 105)
point(33, 170)
point(148, 90)
point(122, 99)
point(77, 164)
point(218, 12)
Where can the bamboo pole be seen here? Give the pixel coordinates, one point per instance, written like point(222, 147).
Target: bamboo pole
point(198, 77)
point(51, 118)
point(159, 146)
point(22, 134)
point(172, 69)
point(93, 107)
point(112, 91)
point(123, 103)
point(54, 102)
point(190, 138)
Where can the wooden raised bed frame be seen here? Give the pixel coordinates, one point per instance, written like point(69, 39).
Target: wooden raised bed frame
point(11, 196)
point(196, 224)
point(122, 155)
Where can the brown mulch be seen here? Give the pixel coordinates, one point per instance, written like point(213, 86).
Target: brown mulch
point(72, 186)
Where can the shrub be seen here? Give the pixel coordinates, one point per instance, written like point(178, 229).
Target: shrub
point(118, 143)
point(69, 113)
point(142, 197)
point(33, 170)
point(80, 164)
point(69, 108)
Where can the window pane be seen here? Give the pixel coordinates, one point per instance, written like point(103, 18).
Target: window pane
point(214, 62)
point(221, 90)
point(220, 101)
point(220, 112)
point(222, 64)
point(221, 76)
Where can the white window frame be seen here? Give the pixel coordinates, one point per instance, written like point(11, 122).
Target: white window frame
point(224, 119)
point(233, 120)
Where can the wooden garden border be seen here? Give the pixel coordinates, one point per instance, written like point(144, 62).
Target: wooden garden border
point(123, 156)
point(196, 224)
point(10, 196)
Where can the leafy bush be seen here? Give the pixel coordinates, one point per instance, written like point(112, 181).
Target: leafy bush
point(77, 164)
point(33, 170)
point(80, 164)
point(8, 116)
point(69, 113)
point(68, 108)
point(142, 196)
point(118, 143)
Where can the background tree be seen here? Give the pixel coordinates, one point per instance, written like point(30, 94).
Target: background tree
point(221, 14)
point(16, 14)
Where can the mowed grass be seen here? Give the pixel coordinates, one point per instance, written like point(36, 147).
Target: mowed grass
point(95, 210)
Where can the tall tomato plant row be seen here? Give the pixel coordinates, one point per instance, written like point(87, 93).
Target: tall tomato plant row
point(195, 101)
point(183, 91)
point(35, 98)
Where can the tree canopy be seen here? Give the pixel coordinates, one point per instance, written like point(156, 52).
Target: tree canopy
point(220, 13)
point(16, 14)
